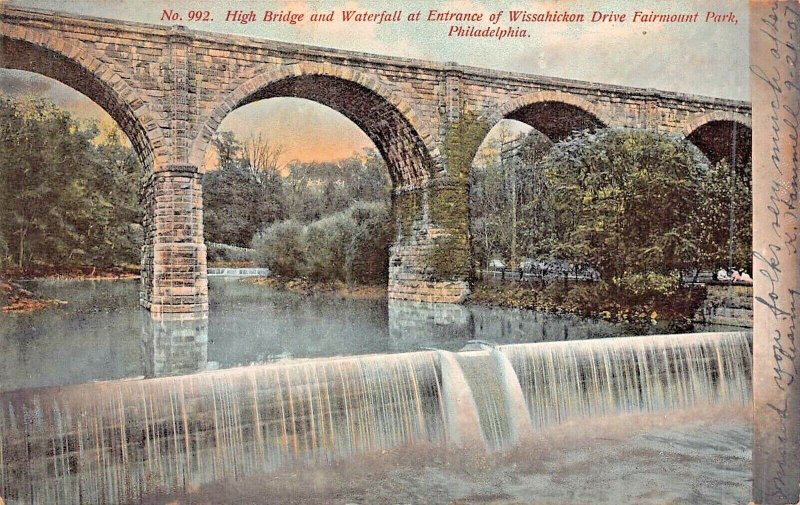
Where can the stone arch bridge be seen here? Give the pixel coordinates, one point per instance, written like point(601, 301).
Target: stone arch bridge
point(169, 88)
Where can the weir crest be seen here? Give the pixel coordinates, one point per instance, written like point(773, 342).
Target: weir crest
point(116, 441)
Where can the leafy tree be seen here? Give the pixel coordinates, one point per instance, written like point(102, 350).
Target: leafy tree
point(625, 201)
point(69, 196)
point(725, 196)
point(507, 200)
point(243, 195)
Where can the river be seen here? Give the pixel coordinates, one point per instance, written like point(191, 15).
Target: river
point(102, 334)
point(343, 400)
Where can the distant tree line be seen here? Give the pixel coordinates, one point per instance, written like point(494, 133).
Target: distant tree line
point(68, 192)
point(328, 221)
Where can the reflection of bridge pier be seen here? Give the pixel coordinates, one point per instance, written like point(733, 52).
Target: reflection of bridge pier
point(437, 322)
point(174, 344)
point(450, 326)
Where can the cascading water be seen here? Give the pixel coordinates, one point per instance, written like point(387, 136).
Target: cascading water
point(117, 441)
point(589, 378)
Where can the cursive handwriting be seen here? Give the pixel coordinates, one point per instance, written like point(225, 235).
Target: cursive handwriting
point(775, 261)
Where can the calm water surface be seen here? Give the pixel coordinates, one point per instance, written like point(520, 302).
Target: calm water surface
point(635, 450)
point(102, 334)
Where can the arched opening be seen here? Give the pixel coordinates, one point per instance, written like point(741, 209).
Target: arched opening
point(70, 208)
point(727, 144)
point(556, 120)
point(507, 217)
point(399, 143)
point(164, 281)
point(71, 183)
point(717, 140)
point(295, 186)
point(39, 59)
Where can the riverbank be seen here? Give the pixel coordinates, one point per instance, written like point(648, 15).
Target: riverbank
point(309, 288)
point(15, 298)
point(591, 300)
point(77, 273)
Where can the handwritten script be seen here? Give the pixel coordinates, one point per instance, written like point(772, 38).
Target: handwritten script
point(776, 263)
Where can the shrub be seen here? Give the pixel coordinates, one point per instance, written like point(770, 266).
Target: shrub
point(648, 286)
point(349, 246)
point(281, 247)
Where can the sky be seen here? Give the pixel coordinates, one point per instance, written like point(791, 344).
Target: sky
point(701, 58)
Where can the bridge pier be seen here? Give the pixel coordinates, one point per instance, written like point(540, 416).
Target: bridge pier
point(174, 275)
point(429, 260)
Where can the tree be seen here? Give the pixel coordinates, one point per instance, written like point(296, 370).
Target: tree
point(244, 194)
point(69, 196)
point(625, 202)
point(507, 201)
point(724, 221)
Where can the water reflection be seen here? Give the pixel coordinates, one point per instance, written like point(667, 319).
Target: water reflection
point(173, 344)
point(102, 334)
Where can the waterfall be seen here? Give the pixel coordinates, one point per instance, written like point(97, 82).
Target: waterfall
point(589, 378)
point(116, 441)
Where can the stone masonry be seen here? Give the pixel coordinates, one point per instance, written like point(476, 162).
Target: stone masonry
point(169, 88)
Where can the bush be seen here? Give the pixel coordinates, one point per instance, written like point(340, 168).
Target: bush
point(368, 254)
point(281, 247)
point(648, 286)
point(326, 242)
point(350, 246)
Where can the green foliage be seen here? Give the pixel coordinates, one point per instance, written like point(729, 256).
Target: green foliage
point(281, 247)
point(5, 257)
point(508, 202)
point(238, 198)
point(649, 285)
point(450, 255)
point(627, 202)
point(713, 219)
point(463, 138)
point(317, 189)
point(69, 193)
point(448, 205)
point(248, 191)
point(596, 299)
point(407, 208)
point(350, 246)
point(624, 201)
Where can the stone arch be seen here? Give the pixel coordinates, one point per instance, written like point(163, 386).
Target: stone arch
point(72, 63)
point(536, 109)
point(713, 132)
point(403, 140)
